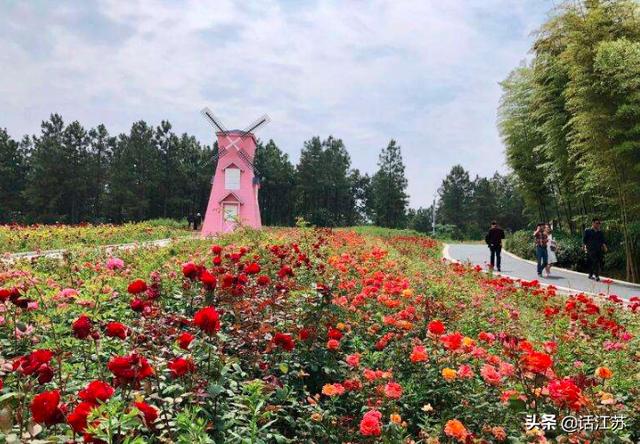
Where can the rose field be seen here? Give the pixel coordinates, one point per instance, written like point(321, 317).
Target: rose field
point(18, 238)
point(305, 335)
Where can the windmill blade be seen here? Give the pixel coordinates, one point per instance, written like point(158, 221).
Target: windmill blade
point(213, 120)
point(244, 156)
point(262, 121)
point(215, 157)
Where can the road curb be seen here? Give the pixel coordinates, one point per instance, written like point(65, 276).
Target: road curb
point(565, 290)
point(577, 273)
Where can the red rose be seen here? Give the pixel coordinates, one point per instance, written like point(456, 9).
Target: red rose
point(116, 330)
point(181, 366)
point(137, 305)
point(190, 270)
point(36, 363)
point(216, 249)
point(284, 341)
point(82, 327)
point(565, 393)
point(419, 354)
point(77, 419)
point(252, 268)
point(285, 271)
point(149, 413)
point(333, 344)
point(263, 280)
point(304, 334)
point(4, 294)
point(370, 424)
point(136, 287)
point(227, 280)
point(486, 337)
point(217, 261)
point(130, 368)
point(208, 280)
point(96, 392)
point(184, 340)
point(45, 374)
point(334, 333)
point(436, 327)
point(452, 341)
point(208, 320)
point(45, 408)
point(537, 362)
point(393, 390)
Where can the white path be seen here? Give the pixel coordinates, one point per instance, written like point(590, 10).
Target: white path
point(515, 267)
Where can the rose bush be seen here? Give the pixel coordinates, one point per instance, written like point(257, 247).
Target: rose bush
point(301, 335)
point(19, 238)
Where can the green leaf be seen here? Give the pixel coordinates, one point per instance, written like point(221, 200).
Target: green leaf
point(215, 389)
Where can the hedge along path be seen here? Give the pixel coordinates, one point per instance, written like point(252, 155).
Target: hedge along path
point(514, 267)
point(12, 258)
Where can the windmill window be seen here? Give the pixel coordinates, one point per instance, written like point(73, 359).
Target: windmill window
point(232, 179)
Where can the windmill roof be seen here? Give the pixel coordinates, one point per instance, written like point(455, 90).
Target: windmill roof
point(237, 132)
point(231, 197)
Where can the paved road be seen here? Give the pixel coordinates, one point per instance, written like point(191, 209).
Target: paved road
point(478, 254)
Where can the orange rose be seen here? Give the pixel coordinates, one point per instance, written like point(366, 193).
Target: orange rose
point(395, 418)
point(419, 354)
point(449, 374)
point(455, 429)
point(333, 389)
point(604, 372)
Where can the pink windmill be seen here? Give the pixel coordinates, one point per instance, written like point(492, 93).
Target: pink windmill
point(234, 188)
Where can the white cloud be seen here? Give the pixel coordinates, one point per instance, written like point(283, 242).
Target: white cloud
point(424, 73)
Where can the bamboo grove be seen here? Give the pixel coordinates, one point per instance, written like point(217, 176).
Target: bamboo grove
point(570, 120)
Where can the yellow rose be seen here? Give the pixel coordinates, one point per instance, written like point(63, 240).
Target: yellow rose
point(448, 374)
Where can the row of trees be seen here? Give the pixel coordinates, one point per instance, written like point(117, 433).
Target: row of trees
point(326, 191)
point(468, 206)
point(69, 174)
point(570, 120)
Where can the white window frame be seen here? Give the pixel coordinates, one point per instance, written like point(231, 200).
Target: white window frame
point(232, 178)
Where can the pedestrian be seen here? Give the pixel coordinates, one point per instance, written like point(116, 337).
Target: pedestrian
point(541, 241)
point(190, 219)
point(552, 248)
point(595, 245)
point(196, 221)
point(494, 241)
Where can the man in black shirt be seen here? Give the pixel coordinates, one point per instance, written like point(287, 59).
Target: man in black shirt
point(197, 220)
point(594, 244)
point(494, 241)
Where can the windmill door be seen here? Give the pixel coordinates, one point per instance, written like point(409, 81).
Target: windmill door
point(230, 215)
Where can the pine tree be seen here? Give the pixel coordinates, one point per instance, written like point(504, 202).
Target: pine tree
point(13, 169)
point(101, 151)
point(324, 192)
point(135, 175)
point(276, 195)
point(46, 189)
point(388, 189)
point(455, 194)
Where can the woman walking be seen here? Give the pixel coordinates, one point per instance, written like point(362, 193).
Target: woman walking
point(552, 246)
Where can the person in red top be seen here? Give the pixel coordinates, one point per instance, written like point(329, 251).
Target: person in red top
point(541, 240)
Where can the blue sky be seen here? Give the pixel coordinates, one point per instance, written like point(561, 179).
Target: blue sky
point(424, 72)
